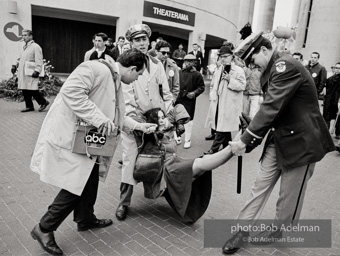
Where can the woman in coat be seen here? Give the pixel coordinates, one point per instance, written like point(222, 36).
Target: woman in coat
point(191, 86)
point(186, 184)
point(226, 99)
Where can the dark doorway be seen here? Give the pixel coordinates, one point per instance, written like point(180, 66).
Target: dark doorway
point(174, 41)
point(64, 42)
point(211, 43)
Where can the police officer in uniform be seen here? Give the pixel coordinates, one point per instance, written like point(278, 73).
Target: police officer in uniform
point(298, 136)
point(151, 90)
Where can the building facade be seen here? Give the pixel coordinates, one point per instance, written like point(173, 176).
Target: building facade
point(64, 28)
point(318, 30)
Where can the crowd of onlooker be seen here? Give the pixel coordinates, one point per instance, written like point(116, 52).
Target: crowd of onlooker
point(139, 91)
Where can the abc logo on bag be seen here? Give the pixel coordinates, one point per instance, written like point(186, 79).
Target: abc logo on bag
point(95, 139)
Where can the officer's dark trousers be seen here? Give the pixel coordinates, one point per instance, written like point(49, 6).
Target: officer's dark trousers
point(28, 94)
point(66, 202)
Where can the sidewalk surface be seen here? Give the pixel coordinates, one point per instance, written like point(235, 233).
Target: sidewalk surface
point(151, 227)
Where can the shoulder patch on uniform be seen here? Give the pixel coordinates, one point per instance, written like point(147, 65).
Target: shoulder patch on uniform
point(280, 66)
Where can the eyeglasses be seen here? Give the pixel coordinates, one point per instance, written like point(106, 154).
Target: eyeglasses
point(165, 53)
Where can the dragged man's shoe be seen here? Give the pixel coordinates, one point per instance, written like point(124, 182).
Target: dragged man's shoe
point(210, 137)
point(42, 107)
point(121, 212)
point(46, 240)
point(27, 110)
point(235, 243)
point(120, 162)
point(209, 152)
point(97, 223)
point(266, 237)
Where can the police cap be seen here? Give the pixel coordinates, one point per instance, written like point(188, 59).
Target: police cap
point(138, 30)
point(247, 46)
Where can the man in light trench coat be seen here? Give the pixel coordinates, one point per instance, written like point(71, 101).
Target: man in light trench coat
point(226, 99)
point(151, 90)
point(93, 93)
point(30, 66)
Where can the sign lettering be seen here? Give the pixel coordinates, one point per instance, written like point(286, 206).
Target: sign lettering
point(168, 13)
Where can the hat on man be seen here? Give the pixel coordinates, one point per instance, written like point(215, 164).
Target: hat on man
point(189, 57)
point(138, 30)
point(248, 45)
point(225, 50)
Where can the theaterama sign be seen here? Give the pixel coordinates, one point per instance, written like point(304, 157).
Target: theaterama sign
point(164, 12)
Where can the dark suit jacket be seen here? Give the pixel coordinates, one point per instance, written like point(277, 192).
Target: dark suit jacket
point(319, 74)
point(291, 112)
point(331, 98)
point(199, 59)
point(115, 53)
point(94, 55)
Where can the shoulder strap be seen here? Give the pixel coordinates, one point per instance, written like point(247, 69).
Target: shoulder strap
point(159, 144)
point(114, 76)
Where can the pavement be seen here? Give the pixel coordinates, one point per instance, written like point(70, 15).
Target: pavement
point(151, 227)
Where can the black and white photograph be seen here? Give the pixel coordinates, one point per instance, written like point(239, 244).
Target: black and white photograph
point(170, 128)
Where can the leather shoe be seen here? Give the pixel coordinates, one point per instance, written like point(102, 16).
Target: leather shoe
point(97, 223)
point(209, 152)
point(46, 240)
point(121, 212)
point(235, 243)
point(27, 110)
point(42, 107)
point(210, 137)
point(266, 237)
